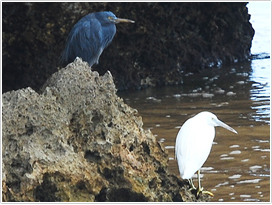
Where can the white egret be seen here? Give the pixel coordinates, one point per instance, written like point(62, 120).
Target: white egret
point(194, 143)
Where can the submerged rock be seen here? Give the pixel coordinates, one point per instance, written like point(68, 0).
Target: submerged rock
point(78, 141)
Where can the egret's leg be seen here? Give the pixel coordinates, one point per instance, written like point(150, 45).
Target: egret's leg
point(192, 186)
point(200, 189)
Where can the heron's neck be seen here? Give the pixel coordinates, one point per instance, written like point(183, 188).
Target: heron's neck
point(108, 33)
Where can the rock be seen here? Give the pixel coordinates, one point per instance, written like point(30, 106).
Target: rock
point(167, 40)
point(77, 140)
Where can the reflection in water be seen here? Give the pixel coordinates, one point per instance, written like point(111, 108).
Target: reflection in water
point(260, 92)
point(261, 21)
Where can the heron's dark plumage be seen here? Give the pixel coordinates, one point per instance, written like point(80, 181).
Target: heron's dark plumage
point(89, 37)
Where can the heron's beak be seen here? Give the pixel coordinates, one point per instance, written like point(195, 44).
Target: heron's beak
point(222, 124)
point(119, 20)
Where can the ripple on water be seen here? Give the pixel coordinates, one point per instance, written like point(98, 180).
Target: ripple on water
point(207, 95)
point(161, 140)
point(236, 176)
point(207, 169)
point(262, 141)
point(262, 150)
point(220, 104)
point(234, 146)
point(169, 147)
point(153, 99)
point(220, 91)
point(235, 152)
point(222, 184)
point(254, 200)
point(227, 158)
point(255, 168)
point(230, 93)
point(249, 181)
point(240, 82)
point(177, 95)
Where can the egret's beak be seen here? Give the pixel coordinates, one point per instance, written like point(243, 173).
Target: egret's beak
point(222, 124)
point(119, 20)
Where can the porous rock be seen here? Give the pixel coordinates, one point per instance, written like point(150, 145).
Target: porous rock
point(167, 40)
point(78, 141)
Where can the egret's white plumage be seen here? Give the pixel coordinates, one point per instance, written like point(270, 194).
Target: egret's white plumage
point(194, 142)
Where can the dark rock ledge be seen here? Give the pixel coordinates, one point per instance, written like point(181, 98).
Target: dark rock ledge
point(168, 40)
point(78, 141)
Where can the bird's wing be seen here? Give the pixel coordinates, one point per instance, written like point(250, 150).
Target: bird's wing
point(84, 40)
point(191, 147)
point(107, 33)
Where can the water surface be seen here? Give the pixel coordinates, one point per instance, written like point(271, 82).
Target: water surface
point(238, 168)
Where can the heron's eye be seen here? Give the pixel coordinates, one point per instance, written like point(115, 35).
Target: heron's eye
point(110, 18)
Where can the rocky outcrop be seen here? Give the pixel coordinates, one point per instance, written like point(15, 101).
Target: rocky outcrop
point(166, 40)
point(78, 141)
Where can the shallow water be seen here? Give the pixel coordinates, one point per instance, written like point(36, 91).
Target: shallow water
point(238, 167)
point(235, 161)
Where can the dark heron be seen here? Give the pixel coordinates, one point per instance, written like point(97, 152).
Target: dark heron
point(90, 36)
